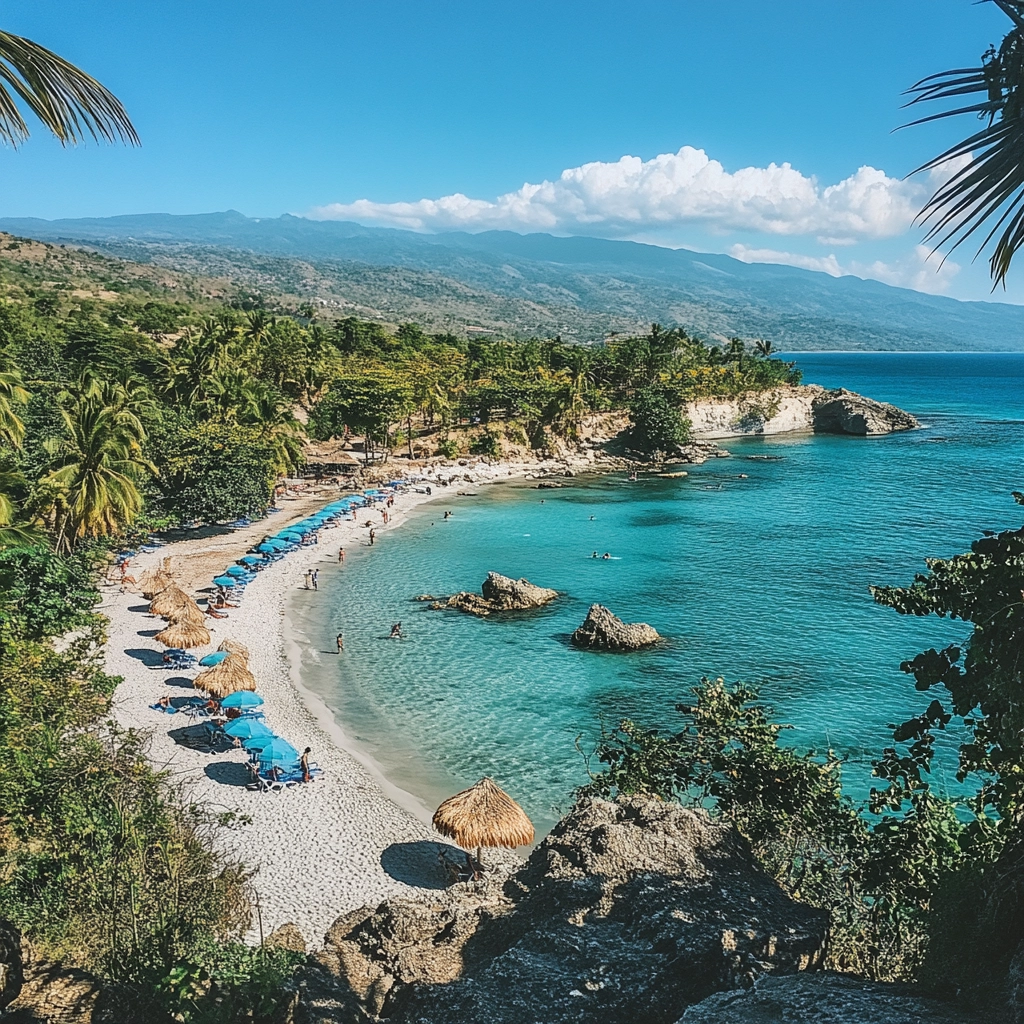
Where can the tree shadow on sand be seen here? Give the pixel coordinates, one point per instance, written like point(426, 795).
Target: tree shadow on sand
point(139, 608)
point(425, 864)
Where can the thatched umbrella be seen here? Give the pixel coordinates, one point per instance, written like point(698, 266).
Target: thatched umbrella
point(226, 677)
point(484, 815)
point(168, 600)
point(189, 612)
point(234, 647)
point(184, 634)
point(153, 582)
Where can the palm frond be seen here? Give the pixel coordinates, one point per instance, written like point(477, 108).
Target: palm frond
point(72, 104)
point(987, 192)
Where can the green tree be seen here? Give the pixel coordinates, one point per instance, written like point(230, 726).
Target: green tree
point(367, 403)
point(93, 486)
point(657, 425)
point(210, 472)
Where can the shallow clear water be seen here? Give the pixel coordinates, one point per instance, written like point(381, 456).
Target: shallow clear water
point(763, 579)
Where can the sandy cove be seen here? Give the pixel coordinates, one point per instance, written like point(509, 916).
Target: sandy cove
point(317, 850)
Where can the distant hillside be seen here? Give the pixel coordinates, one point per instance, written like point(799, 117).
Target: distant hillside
point(581, 288)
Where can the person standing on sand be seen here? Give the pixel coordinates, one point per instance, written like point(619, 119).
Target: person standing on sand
point(316, 579)
point(340, 642)
point(341, 555)
point(373, 536)
point(304, 763)
point(308, 577)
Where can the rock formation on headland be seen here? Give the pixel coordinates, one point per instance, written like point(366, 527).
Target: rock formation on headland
point(501, 594)
point(630, 910)
point(807, 407)
point(603, 631)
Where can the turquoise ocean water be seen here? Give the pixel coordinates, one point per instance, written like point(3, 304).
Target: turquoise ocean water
point(762, 579)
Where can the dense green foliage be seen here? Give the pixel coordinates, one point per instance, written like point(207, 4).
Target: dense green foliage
point(657, 424)
point(917, 883)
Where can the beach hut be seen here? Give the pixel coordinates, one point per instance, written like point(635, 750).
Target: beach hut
point(168, 600)
point(184, 635)
point(230, 675)
point(483, 815)
point(234, 647)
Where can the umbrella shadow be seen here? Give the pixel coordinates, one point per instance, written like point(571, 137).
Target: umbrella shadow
point(424, 864)
point(228, 773)
point(194, 737)
point(148, 633)
point(152, 659)
point(183, 681)
point(138, 608)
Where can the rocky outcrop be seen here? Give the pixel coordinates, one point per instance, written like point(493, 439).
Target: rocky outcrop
point(55, 994)
point(806, 407)
point(603, 631)
point(630, 910)
point(845, 412)
point(502, 594)
point(815, 998)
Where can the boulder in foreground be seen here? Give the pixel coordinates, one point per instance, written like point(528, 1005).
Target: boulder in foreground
point(814, 998)
point(502, 594)
point(630, 910)
point(603, 631)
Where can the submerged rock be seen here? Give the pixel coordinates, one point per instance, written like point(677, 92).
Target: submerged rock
point(814, 998)
point(603, 631)
point(630, 910)
point(502, 594)
point(698, 452)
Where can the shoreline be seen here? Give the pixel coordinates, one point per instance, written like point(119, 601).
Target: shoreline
point(319, 850)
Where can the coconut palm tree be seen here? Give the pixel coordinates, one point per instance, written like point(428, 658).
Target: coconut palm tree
point(12, 394)
point(764, 347)
point(72, 104)
point(986, 189)
point(94, 484)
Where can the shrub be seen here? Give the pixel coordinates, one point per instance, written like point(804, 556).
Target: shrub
point(486, 443)
point(448, 448)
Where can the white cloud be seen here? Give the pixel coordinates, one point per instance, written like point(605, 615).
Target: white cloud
point(674, 189)
point(921, 269)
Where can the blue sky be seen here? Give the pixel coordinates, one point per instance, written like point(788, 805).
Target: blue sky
point(312, 107)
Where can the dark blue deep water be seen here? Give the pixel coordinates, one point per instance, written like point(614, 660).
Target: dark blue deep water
point(763, 579)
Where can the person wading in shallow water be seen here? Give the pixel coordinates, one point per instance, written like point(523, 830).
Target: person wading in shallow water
point(315, 578)
point(341, 555)
point(341, 642)
point(373, 535)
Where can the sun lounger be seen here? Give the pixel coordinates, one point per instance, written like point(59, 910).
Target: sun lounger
point(166, 710)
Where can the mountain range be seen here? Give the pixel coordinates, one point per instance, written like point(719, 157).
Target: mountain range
point(540, 285)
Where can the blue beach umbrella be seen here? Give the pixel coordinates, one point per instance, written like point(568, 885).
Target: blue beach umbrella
point(246, 728)
point(256, 743)
point(225, 581)
point(278, 753)
point(241, 699)
point(236, 570)
point(213, 659)
point(289, 536)
point(251, 560)
point(270, 549)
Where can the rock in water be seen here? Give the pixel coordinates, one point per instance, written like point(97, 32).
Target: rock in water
point(502, 594)
point(845, 412)
point(603, 631)
point(630, 910)
point(813, 998)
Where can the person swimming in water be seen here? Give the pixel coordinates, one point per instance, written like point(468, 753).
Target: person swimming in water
point(396, 632)
point(606, 555)
point(594, 555)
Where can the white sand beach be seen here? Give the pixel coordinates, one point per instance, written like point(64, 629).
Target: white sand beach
point(319, 849)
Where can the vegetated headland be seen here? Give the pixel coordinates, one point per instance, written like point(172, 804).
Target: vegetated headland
point(143, 408)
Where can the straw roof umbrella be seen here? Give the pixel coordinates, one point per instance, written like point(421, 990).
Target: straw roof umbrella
point(189, 612)
point(184, 634)
point(234, 647)
point(153, 581)
point(228, 676)
point(484, 815)
point(168, 600)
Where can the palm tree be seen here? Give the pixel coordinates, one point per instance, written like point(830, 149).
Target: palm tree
point(94, 482)
point(67, 100)
point(12, 394)
point(277, 424)
point(988, 189)
point(764, 347)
